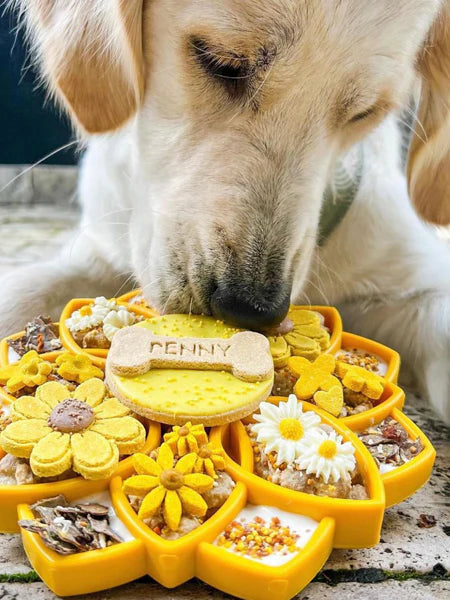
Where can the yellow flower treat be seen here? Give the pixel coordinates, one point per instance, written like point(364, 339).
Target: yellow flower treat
point(188, 438)
point(174, 488)
point(84, 430)
point(77, 367)
point(209, 460)
point(360, 380)
point(331, 401)
point(313, 376)
point(306, 336)
point(29, 371)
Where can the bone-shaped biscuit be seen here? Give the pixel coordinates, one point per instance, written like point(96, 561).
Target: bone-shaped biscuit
point(135, 350)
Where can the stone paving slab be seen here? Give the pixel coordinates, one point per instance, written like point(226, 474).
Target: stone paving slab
point(400, 590)
point(51, 185)
point(31, 233)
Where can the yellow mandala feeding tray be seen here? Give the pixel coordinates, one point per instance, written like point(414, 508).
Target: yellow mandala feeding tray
point(193, 397)
point(174, 396)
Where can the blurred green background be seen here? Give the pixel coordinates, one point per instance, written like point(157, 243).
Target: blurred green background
point(30, 126)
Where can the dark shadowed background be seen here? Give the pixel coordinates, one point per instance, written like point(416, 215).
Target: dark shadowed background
point(29, 124)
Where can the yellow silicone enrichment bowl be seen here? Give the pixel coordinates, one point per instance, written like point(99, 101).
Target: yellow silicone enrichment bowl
point(340, 523)
point(98, 355)
point(404, 481)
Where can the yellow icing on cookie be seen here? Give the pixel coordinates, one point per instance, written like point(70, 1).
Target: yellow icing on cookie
point(170, 395)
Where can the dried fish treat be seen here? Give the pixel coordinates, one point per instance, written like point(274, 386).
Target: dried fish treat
point(59, 501)
point(40, 335)
point(70, 529)
point(389, 444)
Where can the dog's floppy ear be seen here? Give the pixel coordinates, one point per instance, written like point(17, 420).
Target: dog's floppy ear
point(90, 51)
point(429, 155)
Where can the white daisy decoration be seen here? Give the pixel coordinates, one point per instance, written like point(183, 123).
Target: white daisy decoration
point(326, 455)
point(282, 428)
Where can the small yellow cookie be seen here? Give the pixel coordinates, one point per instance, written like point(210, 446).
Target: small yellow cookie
point(331, 401)
point(313, 376)
point(360, 380)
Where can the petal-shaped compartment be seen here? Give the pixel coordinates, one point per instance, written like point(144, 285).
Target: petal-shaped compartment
point(13, 495)
point(403, 481)
point(358, 522)
point(91, 571)
point(98, 355)
point(389, 360)
point(172, 562)
point(392, 397)
point(280, 577)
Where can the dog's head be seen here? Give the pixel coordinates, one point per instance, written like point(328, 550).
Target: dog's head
point(240, 109)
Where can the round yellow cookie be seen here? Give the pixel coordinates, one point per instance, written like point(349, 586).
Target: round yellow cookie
point(176, 395)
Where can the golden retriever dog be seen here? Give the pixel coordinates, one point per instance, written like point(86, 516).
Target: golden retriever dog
point(242, 154)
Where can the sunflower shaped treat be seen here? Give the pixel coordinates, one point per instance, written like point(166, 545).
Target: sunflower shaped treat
point(174, 493)
point(294, 449)
point(182, 368)
point(58, 431)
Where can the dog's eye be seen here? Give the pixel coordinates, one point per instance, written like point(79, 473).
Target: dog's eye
point(230, 69)
point(363, 115)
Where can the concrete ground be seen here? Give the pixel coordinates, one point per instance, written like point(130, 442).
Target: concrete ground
point(410, 562)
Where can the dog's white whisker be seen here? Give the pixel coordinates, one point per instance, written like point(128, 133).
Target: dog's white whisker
point(38, 162)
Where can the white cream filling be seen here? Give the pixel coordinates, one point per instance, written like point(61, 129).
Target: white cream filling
point(12, 355)
point(299, 525)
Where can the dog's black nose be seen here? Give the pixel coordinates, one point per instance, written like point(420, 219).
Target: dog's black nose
point(241, 312)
